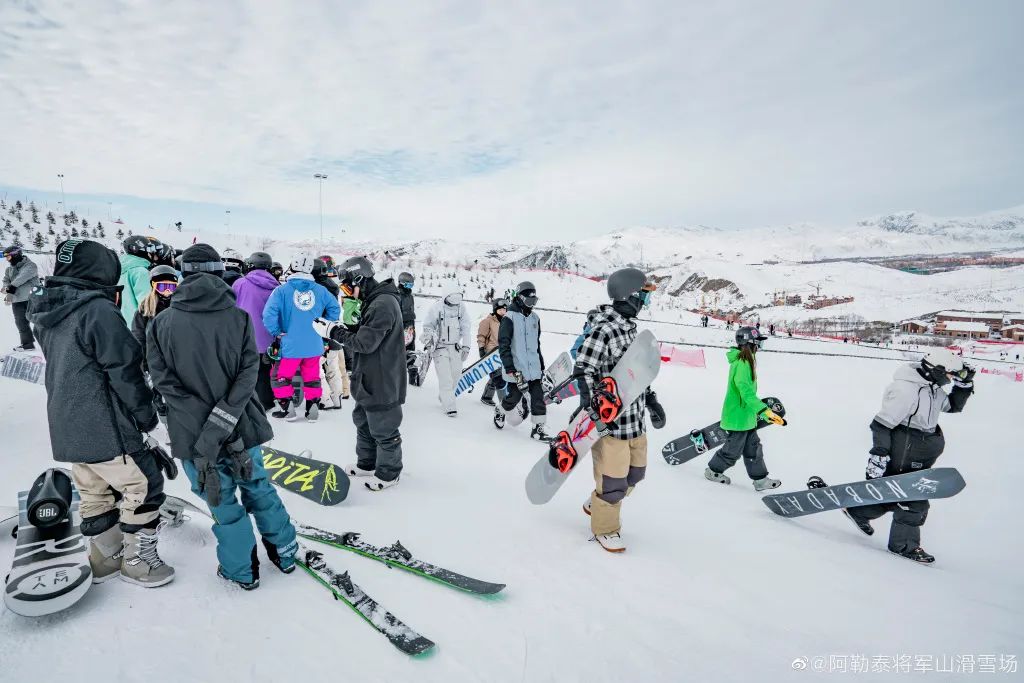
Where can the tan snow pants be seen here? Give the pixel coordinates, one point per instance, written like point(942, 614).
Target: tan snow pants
point(619, 465)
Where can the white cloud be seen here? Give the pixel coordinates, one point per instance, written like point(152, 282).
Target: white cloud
point(540, 119)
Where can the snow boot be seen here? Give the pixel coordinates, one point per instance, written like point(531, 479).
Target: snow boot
point(247, 586)
point(376, 484)
point(538, 432)
point(105, 551)
point(141, 563)
point(487, 400)
point(336, 401)
point(586, 507)
point(499, 417)
point(285, 409)
point(354, 470)
point(917, 555)
point(766, 483)
point(285, 564)
point(452, 413)
point(611, 542)
point(23, 347)
point(717, 477)
point(312, 411)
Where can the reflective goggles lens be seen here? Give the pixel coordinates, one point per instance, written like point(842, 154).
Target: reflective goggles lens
point(165, 287)
point(346, 289)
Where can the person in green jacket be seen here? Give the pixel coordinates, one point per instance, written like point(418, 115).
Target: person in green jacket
point(140, 253)
point(740, 413)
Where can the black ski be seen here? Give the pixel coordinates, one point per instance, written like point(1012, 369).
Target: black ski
point(397, 556)
point(401, 636)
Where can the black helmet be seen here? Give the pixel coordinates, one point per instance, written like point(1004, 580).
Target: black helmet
point(142, 246)
point(319, 268)
point(499, 303)
point(166, 254)
point(405, 280)
point(526, 294)
point(630, 286)
point(354, 270)
point(163, 273)
point(749, 336)
point(258, 260)
point(276, 269)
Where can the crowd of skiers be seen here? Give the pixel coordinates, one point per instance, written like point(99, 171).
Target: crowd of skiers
point(209, 343)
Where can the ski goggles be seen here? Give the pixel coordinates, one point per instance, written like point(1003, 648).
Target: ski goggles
point(644, 295)
point(347, 289)
point(962, 373)
point(530, 299)
point(165, 287)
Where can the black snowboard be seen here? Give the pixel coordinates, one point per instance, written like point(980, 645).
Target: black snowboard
point(318, 481)
point(937, 482)
point(688, 447)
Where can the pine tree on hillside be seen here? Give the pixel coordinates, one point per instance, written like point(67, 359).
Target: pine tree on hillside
point(129, 232)
point(39, 242)
point(73, 216)
point(67, 219)
point(35, 214)
point(51, 231)
point(3, 204)
point(16, 238)
point(7, 225)
point(18, 205)
point(94, 235)
point(50, 219)
point(85, 224)
point(99, 228)
point(74, 232)
point(66, 234)
point(120, 234)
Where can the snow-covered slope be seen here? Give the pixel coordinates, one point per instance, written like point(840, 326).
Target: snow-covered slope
point(713, 587)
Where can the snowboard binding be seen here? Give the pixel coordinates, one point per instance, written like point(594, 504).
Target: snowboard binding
point(697, 437)
point(49, 499)
point(562, 454)
point(606, 402)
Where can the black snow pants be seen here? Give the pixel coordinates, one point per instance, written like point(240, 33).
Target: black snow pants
point(911, 450)
point(21, 322)
point(513, 394)
point(746, 445)
point(379, 441)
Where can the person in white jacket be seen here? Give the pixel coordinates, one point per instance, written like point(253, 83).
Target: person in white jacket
point(447, 332)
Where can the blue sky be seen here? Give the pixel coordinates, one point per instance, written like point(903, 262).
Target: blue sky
point(527, 120)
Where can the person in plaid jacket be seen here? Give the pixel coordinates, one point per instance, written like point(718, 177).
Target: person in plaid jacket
point(620, 454)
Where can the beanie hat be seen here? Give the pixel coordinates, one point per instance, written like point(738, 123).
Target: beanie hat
point(201, 258)
point(87, 260)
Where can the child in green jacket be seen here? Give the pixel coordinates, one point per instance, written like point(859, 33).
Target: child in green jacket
point(740, 413)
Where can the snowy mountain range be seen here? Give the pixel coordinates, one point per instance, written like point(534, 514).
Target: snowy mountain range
point(702, 266)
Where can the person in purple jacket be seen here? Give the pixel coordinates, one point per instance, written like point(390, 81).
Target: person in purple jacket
point(251, 294)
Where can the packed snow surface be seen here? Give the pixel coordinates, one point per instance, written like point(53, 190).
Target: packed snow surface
point(713, 586)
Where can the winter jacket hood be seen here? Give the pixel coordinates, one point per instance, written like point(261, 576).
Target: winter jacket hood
point(62, 295)
point(203, 292)
point(741, 406)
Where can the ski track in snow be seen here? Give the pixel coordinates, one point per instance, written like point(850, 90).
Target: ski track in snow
point(713, 586)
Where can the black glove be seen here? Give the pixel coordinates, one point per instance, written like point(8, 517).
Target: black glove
point(215, 433)
point(274, 350)
point(163, 460)
point(482, 352)
point(879, 451)
point(11, 289)
point(657, 412)
point(241, 463)
point(965, 379)
point(160, 404)
point(207, 479)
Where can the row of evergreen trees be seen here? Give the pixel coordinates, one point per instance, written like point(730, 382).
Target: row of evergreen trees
point(22, 225)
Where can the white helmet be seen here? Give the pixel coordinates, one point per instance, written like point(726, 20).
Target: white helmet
point(302, 263)
point(453, 298)
point(946, 359)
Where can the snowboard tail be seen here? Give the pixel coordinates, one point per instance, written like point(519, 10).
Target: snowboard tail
point(51, 569)
point(937, 482)
point(321, 482)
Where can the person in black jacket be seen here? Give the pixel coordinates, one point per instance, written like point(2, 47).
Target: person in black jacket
point(321, 277)
point(202, 357)
point(97, 403)
point(378, 371)
point(407, 301)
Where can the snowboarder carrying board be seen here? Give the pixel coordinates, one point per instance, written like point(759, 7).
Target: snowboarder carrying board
point(740, 413)
point(620, 454)
point(522, 360)
point(905, 436)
